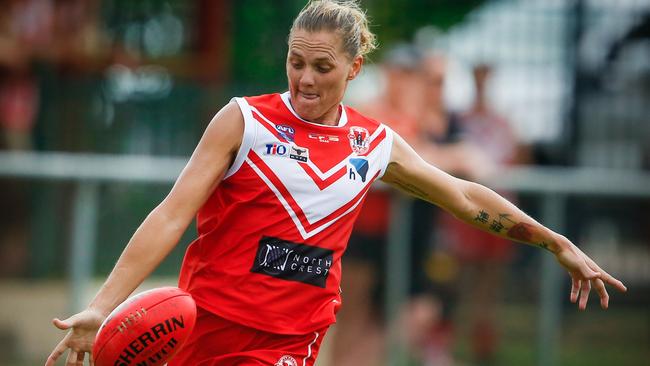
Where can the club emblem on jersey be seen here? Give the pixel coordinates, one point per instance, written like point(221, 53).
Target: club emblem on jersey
point(287, 132)
point(359, 140)
point(286, 361)
point(359, 166)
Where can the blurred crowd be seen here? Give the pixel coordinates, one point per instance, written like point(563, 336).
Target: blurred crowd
point(134, 48)
point(65, 36)
point(61, 33)
point(457, 272)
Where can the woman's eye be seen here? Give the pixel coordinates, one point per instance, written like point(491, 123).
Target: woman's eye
point(323, 69)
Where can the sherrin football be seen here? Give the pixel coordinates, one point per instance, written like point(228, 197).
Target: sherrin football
point(146, 330)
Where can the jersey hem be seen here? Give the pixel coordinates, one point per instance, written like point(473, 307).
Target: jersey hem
point(258, 325)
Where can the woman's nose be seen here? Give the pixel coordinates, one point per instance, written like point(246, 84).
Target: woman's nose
point(307, 78)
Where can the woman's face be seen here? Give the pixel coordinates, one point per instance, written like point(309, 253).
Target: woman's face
point(318, 70)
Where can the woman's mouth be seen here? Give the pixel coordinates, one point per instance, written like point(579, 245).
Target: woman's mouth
point(309, 96)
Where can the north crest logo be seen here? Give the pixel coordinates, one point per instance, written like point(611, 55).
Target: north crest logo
point(359, 140)
point(293, 261)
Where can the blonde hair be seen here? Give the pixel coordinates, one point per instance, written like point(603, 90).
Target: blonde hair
point(344, 17)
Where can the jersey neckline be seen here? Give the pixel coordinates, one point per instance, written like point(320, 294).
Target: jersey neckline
point(343, 119)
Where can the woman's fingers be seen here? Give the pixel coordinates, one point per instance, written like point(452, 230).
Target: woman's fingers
point(575, 289)
point(585, 272)
point(61, 324)
point(57, 352)
point(588, 273)
point(80, 358)
point(72, 359)
point(584, 294)
point(610, 280)
point(606, 277)
point(599, 285)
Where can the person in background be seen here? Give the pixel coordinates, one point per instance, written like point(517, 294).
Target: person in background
point(428, 317)
point(483, 258)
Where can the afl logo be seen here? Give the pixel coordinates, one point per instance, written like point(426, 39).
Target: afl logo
point(358, 137)
point(286, 361)
point(287, 132)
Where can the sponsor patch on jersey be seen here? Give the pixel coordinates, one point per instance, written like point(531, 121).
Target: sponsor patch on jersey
point(277, 149)
point(291, 151)
point(323, 138)
point(359, 140)
point(360, 166)
point(293, 261)
point(299, 153)
point(287, 132)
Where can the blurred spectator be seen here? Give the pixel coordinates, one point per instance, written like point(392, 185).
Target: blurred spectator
point(24, 27)
point(482, 257)
point(442, 142)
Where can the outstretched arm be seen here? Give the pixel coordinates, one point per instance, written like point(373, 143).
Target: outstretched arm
point(483, 208)
point(159, 232)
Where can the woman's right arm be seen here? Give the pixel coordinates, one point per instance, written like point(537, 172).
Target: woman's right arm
point(159, 232)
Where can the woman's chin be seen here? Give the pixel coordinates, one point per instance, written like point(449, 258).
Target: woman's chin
point(306, 112)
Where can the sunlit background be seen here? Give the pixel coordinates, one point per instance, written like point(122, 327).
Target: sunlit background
point(102, 101)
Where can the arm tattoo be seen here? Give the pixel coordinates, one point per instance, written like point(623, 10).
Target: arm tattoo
point(496, 226)
point(518, 231)
point(482, 217)
point(412, 189)
point(521, 231)
point(506, 217)
point(544, 245)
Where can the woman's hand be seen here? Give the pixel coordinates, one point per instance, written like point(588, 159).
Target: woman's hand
point(83, 329)
point(585, 274)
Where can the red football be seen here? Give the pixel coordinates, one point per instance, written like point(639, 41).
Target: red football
point(146, 329)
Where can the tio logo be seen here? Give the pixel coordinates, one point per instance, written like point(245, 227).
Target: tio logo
point(276, 149)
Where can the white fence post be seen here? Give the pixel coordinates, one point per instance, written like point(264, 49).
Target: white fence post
point(550, 303)
point(84, 235)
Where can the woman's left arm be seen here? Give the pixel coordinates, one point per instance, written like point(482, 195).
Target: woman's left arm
point(481, 207)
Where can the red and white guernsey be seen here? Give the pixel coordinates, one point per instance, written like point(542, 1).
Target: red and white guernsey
point(272, 234)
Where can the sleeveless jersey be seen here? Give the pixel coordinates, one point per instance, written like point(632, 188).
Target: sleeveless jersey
point(271, 236)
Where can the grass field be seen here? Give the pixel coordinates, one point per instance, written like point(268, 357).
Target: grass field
point(618, 336)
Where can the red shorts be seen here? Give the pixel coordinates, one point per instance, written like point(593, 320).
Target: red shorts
point(217, 341)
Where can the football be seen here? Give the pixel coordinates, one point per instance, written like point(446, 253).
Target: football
point(146, 329)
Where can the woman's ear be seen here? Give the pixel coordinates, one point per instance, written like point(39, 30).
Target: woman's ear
point(356, 67)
